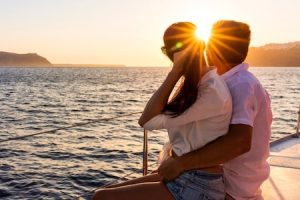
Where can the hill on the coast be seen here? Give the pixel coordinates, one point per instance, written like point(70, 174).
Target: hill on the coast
point(284, 55)
point(29, 59)
point(275, 54)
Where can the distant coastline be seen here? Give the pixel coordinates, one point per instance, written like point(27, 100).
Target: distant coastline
point(8, 59)
point(87, 65)
point(269, 55)
point(275, 55)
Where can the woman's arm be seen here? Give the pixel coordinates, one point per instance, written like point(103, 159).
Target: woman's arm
point(213, 100)
point(160, 98)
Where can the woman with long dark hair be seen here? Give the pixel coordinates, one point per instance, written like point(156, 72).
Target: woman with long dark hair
point(197, 113)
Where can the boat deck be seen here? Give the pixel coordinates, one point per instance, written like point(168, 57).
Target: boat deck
point(284, 180)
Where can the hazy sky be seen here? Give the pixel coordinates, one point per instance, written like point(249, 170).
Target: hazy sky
point(130, 31)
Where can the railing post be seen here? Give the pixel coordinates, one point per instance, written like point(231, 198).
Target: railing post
point(298, 122)
point(145, 153)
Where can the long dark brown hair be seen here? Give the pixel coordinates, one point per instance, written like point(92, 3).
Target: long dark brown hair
point(187, 91)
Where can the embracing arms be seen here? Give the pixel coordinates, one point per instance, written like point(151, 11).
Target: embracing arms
point(225, 148)
point(235, 143)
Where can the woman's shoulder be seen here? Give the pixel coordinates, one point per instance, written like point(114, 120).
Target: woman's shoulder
point(212, 80)
point(215, 87)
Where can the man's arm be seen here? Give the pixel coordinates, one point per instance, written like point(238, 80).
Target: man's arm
point(235, 143)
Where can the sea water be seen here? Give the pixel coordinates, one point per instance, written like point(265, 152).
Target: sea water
point(70, 163)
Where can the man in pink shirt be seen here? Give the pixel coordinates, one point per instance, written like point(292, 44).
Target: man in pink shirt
point(243, 151)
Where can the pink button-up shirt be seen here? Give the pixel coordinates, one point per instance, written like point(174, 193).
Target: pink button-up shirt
point(251, 106)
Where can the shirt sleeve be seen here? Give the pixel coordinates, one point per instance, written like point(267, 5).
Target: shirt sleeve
point(210, 102)
point(244, 104)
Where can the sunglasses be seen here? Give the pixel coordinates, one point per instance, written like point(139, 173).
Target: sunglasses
point(176, 48)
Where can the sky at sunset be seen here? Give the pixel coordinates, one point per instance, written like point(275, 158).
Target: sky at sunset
point(130, 31)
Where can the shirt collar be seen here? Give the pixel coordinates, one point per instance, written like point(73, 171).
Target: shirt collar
point(207, 76)
point(234, 70)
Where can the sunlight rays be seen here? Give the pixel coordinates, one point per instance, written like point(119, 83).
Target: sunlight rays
point(203, 34)
point(217, 42)
point(220, 41)
point(228, 40)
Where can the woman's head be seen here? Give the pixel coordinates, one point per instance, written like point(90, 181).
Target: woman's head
point(180, 36)
point(177, 37)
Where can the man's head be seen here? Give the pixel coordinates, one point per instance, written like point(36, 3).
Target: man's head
point(228, 44)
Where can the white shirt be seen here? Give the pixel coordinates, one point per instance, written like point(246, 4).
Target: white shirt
point(207, 119)
point(251, 106)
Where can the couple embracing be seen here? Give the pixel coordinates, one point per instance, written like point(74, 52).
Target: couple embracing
point(218, 121)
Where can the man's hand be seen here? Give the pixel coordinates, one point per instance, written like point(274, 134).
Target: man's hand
point(169, 169)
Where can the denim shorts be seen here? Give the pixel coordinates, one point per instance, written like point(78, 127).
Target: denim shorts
point(198, 185)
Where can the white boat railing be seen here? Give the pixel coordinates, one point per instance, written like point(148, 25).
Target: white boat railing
point(298, 123)
point(145, 153)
